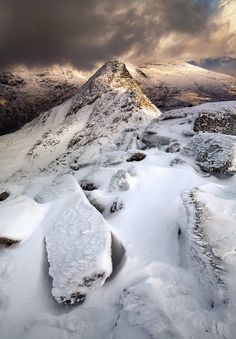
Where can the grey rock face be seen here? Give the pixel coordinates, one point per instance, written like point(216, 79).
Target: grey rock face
point(162, 142)
point(213, 153)
point(223, 121)
point(136, 157)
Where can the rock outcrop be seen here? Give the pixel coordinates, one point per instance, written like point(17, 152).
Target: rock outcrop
point(213, 153)
point(220, 121)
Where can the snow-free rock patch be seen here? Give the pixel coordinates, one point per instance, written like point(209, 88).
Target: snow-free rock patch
point(4, 195)
point(220, 121)
point(137, 157)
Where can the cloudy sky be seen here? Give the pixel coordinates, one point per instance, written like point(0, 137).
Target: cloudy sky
point(86, 33)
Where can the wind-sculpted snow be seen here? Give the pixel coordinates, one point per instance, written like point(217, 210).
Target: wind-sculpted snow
point(24, 217)
point(78, 247)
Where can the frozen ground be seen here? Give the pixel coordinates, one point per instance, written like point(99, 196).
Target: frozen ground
point(157, 293)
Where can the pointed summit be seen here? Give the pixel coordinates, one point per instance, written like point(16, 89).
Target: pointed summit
point(112, 78)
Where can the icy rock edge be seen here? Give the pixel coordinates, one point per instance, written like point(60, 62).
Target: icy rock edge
point(206, 263)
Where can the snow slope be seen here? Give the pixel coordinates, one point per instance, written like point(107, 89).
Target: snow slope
point(157, 292)
point(180, 84)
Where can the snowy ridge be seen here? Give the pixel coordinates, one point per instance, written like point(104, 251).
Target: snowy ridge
point(180, 84)
point(82, 125)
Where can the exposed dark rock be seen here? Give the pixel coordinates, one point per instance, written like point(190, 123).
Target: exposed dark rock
point(116, 206)
point(4, 195)
point(7, 242)
point(179, 232)
point(78, 298)
point(137, 157)
point(87, 185)
point(223, 121)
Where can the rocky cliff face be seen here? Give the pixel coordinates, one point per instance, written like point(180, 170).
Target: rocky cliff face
point(24, 93)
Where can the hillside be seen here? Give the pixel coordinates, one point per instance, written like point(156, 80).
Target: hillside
point(173, 85)
point(27, 93)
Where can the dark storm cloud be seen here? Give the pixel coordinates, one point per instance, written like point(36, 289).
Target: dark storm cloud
point(86, 32)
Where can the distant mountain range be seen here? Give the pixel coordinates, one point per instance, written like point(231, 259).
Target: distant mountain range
point(226, 65)
point(24, 93)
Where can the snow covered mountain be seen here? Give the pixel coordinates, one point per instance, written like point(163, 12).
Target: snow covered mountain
point(96, 117)
point(173, 85)
point(106, 173)
point(24, 93)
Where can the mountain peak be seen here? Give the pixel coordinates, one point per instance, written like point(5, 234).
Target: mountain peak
point(114, 78)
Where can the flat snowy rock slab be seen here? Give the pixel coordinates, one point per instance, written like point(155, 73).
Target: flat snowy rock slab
point(19, 219)
point(78, 247)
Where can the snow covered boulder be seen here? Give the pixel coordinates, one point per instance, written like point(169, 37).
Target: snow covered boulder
point(165, 143)
point(57, 188)
point(220, 121)
point(119, 181)
point(213, 153)
point(78, 246)
point(19, 219)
